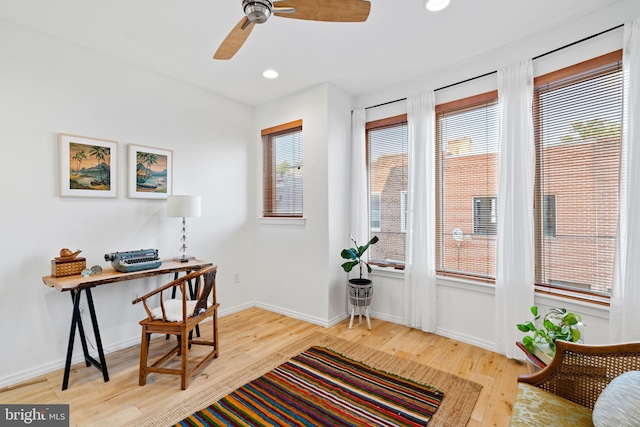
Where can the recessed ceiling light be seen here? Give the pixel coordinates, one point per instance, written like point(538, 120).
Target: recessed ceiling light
point(270, 74)
point(436, 5)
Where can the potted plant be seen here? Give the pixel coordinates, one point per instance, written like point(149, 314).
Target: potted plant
point(354, 255)
point(557, 324)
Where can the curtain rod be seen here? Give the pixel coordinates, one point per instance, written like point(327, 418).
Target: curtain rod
point(494, 72)
point(386, 103)
point(576, 42)
point(465, 81)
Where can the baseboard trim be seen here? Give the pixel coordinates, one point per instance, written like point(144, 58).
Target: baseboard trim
point(79, 358)
point(294, 314)
point(467, 339)
point(59, 364)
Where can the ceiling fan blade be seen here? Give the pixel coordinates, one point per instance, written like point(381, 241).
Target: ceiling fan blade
point(326, 10)
point(234, 41)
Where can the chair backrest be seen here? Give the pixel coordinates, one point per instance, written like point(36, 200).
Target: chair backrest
point(206, 283)
point(580, 372)
point(209, 278)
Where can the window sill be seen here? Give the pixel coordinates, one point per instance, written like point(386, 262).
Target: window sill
point(604, 300)
point(465, 283)
point(544, 292)
point(378, 270)
point(452, 282)
point(282, 221)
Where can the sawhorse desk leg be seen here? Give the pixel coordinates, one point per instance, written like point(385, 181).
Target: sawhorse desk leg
point(76, 321)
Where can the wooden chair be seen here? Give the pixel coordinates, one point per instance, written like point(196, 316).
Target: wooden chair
point(579, 372)
point(566, 392)
point(179, 316)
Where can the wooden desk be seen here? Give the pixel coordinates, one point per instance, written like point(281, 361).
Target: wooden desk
point(76, 284)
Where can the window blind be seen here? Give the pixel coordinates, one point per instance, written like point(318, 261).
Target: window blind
point(387, 145)
point(578, 122)
point(283, 172)
point(466, 161)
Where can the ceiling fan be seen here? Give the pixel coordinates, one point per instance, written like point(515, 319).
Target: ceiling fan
point(259, 11)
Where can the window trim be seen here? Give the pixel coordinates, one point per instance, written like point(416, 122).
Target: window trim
point(470, 101)
point(378, 124)
point(566, 73)
point(388, 121)
point(267, 159)
point(458, 104)
point(576, 69)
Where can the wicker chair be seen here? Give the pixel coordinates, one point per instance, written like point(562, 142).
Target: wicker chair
point(578, 373)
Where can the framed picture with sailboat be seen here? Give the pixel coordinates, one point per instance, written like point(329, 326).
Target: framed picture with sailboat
point(149, 172)
point(87, 166)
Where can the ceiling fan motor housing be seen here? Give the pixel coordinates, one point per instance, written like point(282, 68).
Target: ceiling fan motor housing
point(258, 11)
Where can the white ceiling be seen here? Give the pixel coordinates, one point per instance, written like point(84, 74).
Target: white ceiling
point(399, 41)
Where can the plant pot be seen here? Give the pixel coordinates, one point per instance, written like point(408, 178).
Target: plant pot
point(360, 292)
point(360, 282)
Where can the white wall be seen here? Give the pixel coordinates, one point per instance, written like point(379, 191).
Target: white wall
point(339, 189)
point(297, 263)
point(465, 310)
point(48, 86)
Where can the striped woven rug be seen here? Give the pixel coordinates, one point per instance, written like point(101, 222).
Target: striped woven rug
point(454, 411)
point(321, 387)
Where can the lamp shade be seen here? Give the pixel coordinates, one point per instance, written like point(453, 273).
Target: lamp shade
point(183, 206)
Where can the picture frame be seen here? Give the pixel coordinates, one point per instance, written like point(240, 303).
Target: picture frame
point(150, 172)
point(87, 166)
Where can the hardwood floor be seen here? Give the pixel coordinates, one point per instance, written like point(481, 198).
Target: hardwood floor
point(245, 338)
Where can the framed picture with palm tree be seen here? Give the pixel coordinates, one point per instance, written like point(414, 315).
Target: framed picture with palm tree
point(149, 172)
point(88, 166)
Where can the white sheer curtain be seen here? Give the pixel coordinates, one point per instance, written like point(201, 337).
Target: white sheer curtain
point(420, 263)
point(359, 205)
point(515, 258)
point(625, 294)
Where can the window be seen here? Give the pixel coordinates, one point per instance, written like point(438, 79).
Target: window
point(549, 215)
point(282, 170)
point(466, 162)
point(485, 216)
point(387, 172)
point(578, 126)
point(375, 211)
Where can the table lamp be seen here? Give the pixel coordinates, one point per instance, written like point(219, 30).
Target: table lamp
point(184, 207)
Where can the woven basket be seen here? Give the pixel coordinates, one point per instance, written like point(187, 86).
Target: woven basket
point(68, 267)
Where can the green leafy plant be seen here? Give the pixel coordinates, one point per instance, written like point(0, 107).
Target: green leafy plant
point(355, 255)
point(557, 324)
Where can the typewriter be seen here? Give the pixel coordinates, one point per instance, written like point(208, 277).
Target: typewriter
point(126, 262)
